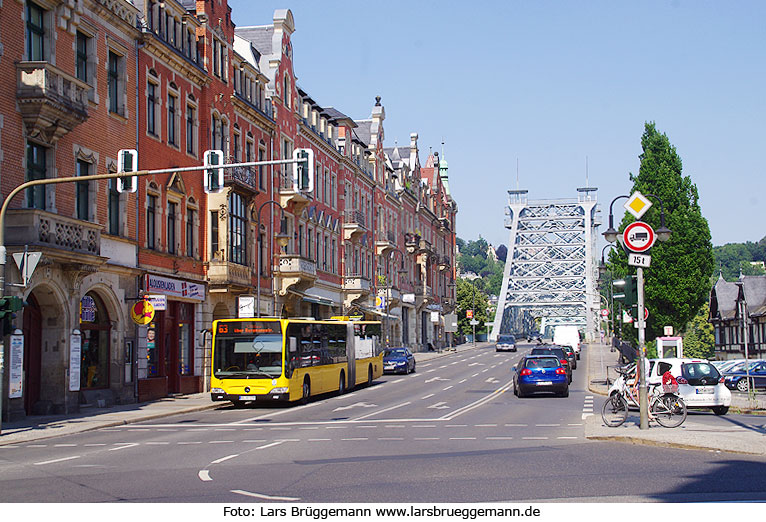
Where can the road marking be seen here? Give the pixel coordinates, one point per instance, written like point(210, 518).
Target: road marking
point(474, 375)
point(447, 388)
point(462, 438)
point(64, 445)
point(319, 440)
point(431, 370)
point(566, 437)
point(94, 444)
point(39, 446)
point(534, 438)
point(439, 406)
point(356, 438)
point(265, 497)
point(217, 429)
point(355, 405)
point(280, 429)
point(156, 443)
point(424, 425)
point(456, 425)
point(204, 475)
point(224, 459)
point(426, 438)
point(56, 460)
point(335, 427)
point(220, 441)
point(394, 426)
point(124, 445)
point(310, 428)
point(442, 367)
point(254, 441)
point(397, 380)
point(547, 425)
point(435, 379)
point(516, 425)
point(390, 438)
point(486, 425)
point(499, 438)
point(366, 427)
point(382, 411)
point(427, 396)
point(575, 424)
point(461, 382)
point(586, 415)
point(199, 442)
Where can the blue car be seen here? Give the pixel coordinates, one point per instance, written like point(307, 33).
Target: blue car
point(738, 380)
point(398, 360)
point(540, 373)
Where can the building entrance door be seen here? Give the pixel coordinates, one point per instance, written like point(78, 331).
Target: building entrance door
point(32, 353)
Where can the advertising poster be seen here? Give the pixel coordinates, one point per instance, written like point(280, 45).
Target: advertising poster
point(16, 371)
point(75, 352)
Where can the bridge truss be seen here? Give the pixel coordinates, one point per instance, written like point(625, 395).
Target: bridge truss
point(550, 271)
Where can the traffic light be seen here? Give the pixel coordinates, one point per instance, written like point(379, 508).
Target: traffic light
point(303, 170)
point(213, 178)
point(127, 162)
point(628, 291)
point(8, 308)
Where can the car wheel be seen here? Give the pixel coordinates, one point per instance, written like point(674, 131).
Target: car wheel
point(720, 410)
point(306, 391)
point(515, 391)
point(413, 366)
point(742, 385)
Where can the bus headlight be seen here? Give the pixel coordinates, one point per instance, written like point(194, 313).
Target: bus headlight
point(279, 390)
point(217, 390)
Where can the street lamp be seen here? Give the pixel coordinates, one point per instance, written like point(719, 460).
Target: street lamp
point(663, 234)
point(282, 239)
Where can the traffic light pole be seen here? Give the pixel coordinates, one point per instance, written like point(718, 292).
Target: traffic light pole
point(74, 179)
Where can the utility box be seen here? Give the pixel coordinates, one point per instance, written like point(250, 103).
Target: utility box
point(670, 347)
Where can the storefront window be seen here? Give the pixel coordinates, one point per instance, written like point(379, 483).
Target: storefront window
point(152, 352)
point(184, 347)
point(95, 325)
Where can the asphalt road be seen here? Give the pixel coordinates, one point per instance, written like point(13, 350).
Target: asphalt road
point(451, 432)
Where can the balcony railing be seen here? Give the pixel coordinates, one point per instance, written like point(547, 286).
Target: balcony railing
point(243, 177)
point(356, 283)
point(35, 227)
point(292, 264)
point(356, 216)
point(227, 273)
point(51, 102)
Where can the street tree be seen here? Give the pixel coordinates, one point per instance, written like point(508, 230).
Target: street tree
point(699, 340)
point(678, 281)
point(470, 297)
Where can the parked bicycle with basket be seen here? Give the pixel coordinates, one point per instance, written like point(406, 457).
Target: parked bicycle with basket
point(665, 405)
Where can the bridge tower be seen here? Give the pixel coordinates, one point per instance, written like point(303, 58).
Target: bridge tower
point(550, 271)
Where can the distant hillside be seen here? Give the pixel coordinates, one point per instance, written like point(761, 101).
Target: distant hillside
point(748, 257)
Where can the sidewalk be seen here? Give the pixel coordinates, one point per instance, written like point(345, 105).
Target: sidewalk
point(726, 435)
point(44, 427)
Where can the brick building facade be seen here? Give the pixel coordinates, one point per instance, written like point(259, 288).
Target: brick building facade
point(375, 236)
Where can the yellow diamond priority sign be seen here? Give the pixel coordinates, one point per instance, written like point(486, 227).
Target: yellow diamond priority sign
point(637, 204)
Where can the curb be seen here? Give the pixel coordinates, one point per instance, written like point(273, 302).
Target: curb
point(638, 441)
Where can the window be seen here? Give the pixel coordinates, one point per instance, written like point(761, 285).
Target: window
point(36, 168)
point(327, 193)
point(332, 252)
point(235, 146)
point(286, 91)
point(309, 241)
point(116, 75)
point(35, 33)
point(95, 355)
point(151, 205)
point(191, 129)
point(237, 229)
point(114, 208)
point(171, 229)
point(151, 108)
point(261, 169)
point(214, 244)
point(190, 216)
point(318, 182)
point(83, 191)
point(300, 240)
point(172, 124)
point(81, 57)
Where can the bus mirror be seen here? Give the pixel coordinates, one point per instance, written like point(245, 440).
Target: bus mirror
point(293, 344)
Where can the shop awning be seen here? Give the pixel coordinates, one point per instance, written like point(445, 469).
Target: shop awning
point(310, 298)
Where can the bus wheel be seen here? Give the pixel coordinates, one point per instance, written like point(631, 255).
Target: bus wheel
point(342, 384)
point(306, 391)
point(369, 376)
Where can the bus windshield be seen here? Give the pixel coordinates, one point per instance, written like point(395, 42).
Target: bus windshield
point(248, 350)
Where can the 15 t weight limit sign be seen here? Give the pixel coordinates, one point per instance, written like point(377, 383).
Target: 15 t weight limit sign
point(639, 260)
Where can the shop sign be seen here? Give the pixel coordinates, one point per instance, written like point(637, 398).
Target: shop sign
point(75, 355)
point(159, 302)
point(434, 317)
point(408, 298)
point(142, 313)
point(16, 375)
point(174, 287)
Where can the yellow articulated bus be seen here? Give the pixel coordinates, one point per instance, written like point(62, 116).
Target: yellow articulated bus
point(270, 359)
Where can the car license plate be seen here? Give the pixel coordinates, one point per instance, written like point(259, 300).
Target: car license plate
point(544, 383)
point(705, 391)
point(246, 398)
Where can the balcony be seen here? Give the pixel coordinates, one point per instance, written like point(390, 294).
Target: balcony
point(444, 223)
point(232, 276)
point(243, 178)
point(423, 295)
point(355, 287)
point(411, 242)
point(61, 238)
point(354, 225)
point(289, 193)
point(295, 273)
point(443, 262)
point(385, 243)
point(51, 102)
point(392, 295)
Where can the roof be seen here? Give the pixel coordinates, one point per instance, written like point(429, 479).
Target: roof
point(335, 114)
point(363, 132)
point(260, 36)
point(725, 294)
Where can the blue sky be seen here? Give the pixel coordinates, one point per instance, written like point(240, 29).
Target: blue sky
point(549, 84)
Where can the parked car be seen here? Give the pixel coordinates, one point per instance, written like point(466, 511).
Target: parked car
point(505, 342)
point(549, 349)
point(567, 334)
point(398, 360)
point(738, 380)
point(540, 373)
point(570, 355)
point(700, 384)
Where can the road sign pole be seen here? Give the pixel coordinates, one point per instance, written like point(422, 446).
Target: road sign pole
point(643, 386)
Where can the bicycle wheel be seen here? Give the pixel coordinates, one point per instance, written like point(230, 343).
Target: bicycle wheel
point(669, 410)
point(615, 411)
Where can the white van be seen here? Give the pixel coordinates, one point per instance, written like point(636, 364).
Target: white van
point(568, 335)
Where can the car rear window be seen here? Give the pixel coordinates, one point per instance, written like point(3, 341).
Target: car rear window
point(700, 373)
point(542, 362)
point(506, 339)
point(558, 352)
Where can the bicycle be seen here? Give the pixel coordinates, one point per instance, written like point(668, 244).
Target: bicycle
point(666, 407)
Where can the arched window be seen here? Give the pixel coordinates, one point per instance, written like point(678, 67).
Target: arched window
point(95, 326)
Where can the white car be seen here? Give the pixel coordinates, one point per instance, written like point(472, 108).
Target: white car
point(700, 384)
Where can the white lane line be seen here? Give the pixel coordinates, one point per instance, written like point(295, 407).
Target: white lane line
point(397, 380)
point(586, 415)
point(382, 411)
point(39, 446)
point(426, 438)
point(390, 438)
point(424, 425)
point(356, 438)
point(462, 438)
point(427, 396)
point(224, 459)
point(474, 375)
point(265, 497)
point(442, 367)
point(499, 438)
point(56, 460)
point(254, 441)
point(461, 382)
point(124, 446)
point(394, 426)
point(310, 428)
point(280, 429)
point(319, 440)
point(516, 425)
point(217, 429)
point(156, 443)
point(366, 427)
point(575, 424)
point(486, 425)
point(456, 425)
point(335, 427)
point(534, 438)
point(566, 437)
point(198, 442)
point(64, 445)
point(94, 444)
point(220, 442)
point(431, 370)
point(447, 388)
point(204, 475)
point(589, 396)
point(547, 425)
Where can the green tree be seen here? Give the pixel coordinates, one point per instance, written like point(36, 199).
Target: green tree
point(699, 340)
point(470, 297)
point(678, 281)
